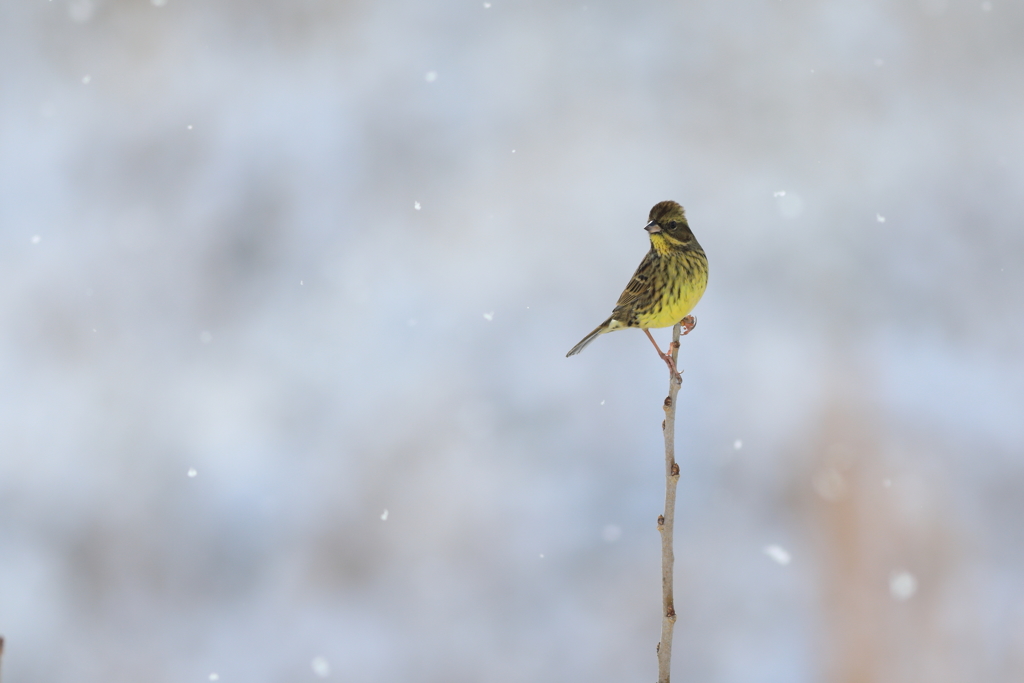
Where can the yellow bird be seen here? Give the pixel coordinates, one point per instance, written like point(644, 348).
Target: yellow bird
point(668, 284)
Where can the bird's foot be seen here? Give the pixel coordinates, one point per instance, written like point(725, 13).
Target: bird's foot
point(687, 324)
point(667, 357)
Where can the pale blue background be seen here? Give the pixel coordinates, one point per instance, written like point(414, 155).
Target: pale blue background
point(230, 275)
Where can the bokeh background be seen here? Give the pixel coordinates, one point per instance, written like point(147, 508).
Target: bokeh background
point(285, 294)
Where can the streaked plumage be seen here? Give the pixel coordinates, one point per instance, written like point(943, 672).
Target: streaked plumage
point(669, 282)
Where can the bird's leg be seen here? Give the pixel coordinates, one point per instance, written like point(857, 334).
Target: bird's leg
point(687, 324)
point(665, 357)
point(656, 347)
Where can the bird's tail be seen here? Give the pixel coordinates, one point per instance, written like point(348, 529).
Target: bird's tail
point(600, 329)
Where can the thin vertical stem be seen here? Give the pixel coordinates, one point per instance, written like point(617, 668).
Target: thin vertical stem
point(666, 521)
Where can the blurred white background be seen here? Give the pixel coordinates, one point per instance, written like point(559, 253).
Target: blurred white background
point(270, 269)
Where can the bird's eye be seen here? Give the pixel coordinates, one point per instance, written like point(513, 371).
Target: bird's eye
point(671, 225)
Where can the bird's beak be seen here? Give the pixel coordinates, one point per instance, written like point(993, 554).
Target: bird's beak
point(652, 227)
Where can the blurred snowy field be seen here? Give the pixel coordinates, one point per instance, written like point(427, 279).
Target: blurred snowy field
point(285, 294)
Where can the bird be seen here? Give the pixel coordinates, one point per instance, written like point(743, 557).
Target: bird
point(668, 284)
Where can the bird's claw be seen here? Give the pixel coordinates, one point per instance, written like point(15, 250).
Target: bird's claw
point(687, 324)
point(667, 357)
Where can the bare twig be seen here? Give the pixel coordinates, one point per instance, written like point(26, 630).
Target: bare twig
point(666, 521)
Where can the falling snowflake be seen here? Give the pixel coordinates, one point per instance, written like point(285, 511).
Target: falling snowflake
point(321, 667)
point(777, 553)
point(902, 585)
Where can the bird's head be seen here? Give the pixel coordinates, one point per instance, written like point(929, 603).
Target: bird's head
point(668, 226)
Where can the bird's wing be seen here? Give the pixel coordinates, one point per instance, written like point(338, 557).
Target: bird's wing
point(641, 285)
